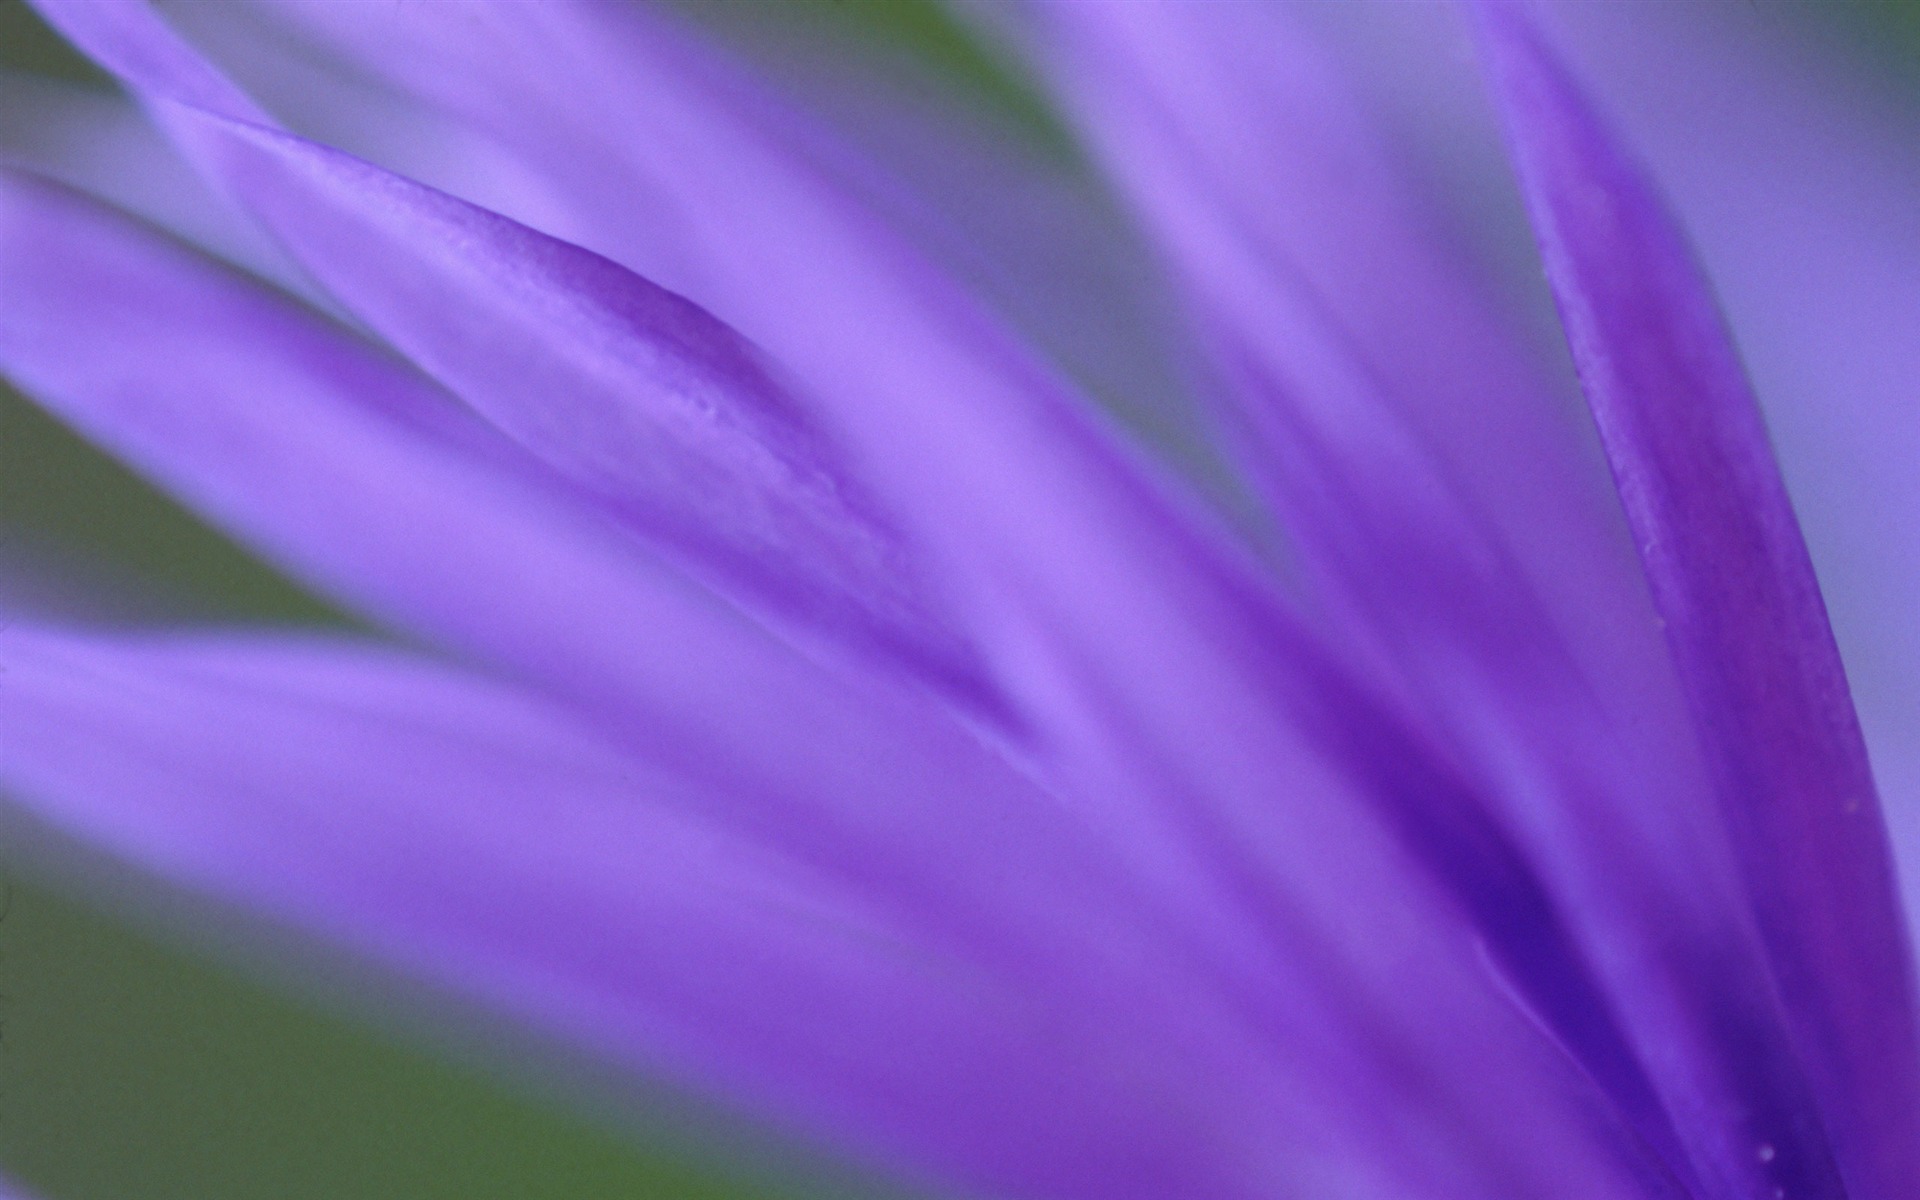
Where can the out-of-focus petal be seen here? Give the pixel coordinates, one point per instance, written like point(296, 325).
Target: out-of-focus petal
point(1347, 331)
point(996, 196)
point(1302, 237)
point(104, 145)
point(1745, 621)
point(460, 829)
point(457, 829)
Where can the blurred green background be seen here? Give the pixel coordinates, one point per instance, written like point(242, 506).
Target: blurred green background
point(142, 1055)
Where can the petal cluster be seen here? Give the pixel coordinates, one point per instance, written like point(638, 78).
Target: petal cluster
point(782, 680)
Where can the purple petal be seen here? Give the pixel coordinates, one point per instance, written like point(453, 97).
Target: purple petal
point(669, 415)
point(1178, 694)
point(1359, 354)
point(1346, 332)
point(1310, 246)
point(1794, 168)
point(1013, 214)
point(359, 476)
point(1090, 590)
point(987, 459)
point(348, 471)
point(1745, 621)
point(415, 524)
point(1336, 867)
point(460, 830)
point(464, 831)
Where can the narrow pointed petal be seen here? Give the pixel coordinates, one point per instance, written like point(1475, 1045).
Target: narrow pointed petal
point(668, 415)
point(1285, 214)
point(1745, 621)
point(1796, 174)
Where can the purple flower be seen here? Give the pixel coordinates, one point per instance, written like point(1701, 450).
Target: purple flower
point(797, 693)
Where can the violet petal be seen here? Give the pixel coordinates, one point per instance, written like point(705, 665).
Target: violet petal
point(360, 477)
point(1348, 342)
point(670, 416)
point(1745, 621)
point(467, 833)
point(1795, 171)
